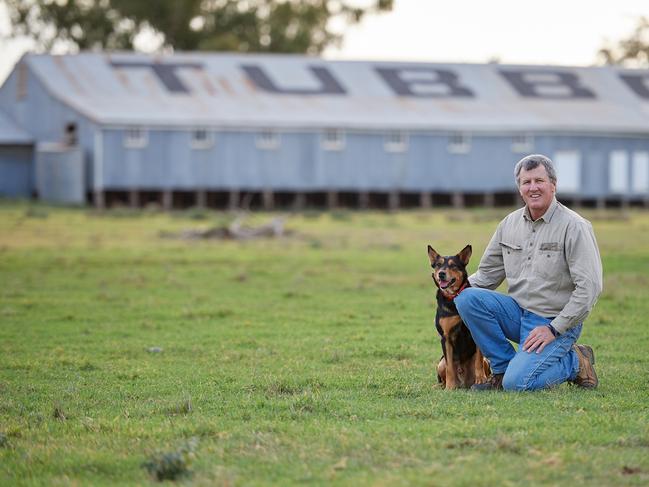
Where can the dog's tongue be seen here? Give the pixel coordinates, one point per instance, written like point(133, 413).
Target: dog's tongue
point(444, 284)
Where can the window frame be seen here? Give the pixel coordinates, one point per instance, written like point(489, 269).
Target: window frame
point(391, 144)
point(139, 142)
point(522, 143)
point(268, 139)
point(201, 144)
point(336, 144)
point(461, 147)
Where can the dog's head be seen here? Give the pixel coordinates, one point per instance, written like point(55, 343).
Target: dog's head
point(449, 272)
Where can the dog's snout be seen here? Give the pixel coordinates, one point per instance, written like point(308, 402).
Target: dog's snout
point(442, 275)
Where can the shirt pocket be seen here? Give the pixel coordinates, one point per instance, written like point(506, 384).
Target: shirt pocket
point(512, 258)
point(549, 262)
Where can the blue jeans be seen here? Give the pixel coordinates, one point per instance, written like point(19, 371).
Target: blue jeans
point(494, 319)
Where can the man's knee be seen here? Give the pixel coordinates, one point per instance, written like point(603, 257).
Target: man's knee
point(515, 381)
point(467, 299)
point(520, 374)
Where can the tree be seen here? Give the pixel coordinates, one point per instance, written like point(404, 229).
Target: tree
point(632, 51)
point(291, 26)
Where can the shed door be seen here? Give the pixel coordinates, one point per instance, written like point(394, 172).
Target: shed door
point(568, 166)
point(618, 172)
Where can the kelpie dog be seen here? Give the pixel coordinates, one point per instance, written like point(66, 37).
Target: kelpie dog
point(462, 364)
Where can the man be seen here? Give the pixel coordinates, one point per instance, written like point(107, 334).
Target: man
point(549, 256)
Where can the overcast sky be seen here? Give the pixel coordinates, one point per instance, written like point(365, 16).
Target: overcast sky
point(566, 32)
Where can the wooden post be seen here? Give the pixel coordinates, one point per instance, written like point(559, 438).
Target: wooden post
point(233, 199)
point(167, 199)
point(267, 198)
point(425, 200)
point(299, 202)
point(201, 198)
point(99, 199)
point(393, 200)
point(363, 200)
point(489, 200)
point(133, 198)
point(457, 200)
point(332, 199)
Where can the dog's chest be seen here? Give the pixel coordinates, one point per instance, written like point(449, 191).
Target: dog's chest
point(449, 325)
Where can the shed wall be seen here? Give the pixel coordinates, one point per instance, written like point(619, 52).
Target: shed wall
point(16, 171)
point(300, 163)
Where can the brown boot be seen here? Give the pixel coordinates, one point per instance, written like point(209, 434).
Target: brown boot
point(586, 377)
point(494, 383)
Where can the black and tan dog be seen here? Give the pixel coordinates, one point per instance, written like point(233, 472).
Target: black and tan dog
point(462, 364)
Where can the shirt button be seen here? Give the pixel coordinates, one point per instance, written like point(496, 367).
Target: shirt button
point(530, 258)
point(531, 244)
point(533, 231)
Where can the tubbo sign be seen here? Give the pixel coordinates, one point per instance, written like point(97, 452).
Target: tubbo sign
point(424, 81)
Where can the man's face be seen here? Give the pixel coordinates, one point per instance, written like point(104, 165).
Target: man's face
point(536, 189)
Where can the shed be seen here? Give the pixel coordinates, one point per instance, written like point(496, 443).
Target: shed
point(222, 129)
point(16, 160)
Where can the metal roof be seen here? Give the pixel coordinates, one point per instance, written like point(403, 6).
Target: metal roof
point(237, 90)
point(11, 134)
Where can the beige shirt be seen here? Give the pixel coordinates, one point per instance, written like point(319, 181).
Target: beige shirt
point(552, 265)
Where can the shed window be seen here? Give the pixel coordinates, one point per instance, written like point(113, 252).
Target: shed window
point(333, 139)
point(396, 141)
point(267, 140)
point(568, 166)
point(618, 171)
point(640, 179)
point(459, 143)
point(202, 139)
point(135, 138)
point(522, 143)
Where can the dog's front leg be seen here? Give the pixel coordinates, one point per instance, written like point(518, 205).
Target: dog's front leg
point(478, 367)
point(451, 373)
point(441, 372)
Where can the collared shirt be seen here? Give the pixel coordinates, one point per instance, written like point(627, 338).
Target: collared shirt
point(552, 265)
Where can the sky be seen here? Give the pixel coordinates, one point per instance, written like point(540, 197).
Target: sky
point(558, 32)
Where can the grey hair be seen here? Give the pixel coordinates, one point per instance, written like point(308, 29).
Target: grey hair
point(532, 162)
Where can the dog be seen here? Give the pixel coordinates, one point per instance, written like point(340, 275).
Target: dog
point(462, 363)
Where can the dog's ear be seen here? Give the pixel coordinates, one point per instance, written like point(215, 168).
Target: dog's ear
point(465, 255)
point(432, 255)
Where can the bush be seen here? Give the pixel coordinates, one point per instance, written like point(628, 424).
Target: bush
point(172, 465)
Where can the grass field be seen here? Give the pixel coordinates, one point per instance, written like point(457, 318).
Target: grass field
point(302, 360)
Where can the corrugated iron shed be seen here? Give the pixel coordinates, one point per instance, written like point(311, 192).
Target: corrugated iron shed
point(233, 90)
point(11, 134)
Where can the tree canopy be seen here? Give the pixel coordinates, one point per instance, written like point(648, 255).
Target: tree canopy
point(632, 51)
point(289, 26)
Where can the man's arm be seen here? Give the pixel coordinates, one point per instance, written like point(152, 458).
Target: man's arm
point(491, 270)
point(585, 266)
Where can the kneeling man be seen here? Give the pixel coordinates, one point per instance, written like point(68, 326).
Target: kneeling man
point(549, 256)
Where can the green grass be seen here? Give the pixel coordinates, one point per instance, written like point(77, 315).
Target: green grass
point(304, 360)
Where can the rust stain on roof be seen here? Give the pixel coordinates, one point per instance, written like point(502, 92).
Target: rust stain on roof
point(59, 61)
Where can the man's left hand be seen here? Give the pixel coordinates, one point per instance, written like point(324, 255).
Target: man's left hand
point(538, 338)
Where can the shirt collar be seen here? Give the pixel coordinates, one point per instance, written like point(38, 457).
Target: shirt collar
point(547, 216)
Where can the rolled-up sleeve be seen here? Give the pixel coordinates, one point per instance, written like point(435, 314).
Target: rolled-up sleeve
point(491, 270)
point(585, 266)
